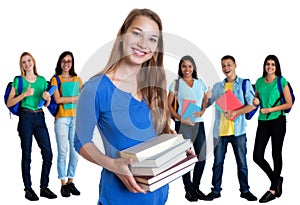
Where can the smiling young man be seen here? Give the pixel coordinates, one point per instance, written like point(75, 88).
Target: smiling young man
point(228, 131)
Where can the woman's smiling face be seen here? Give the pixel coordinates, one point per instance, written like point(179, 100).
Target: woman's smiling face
point(141, 40)
point(187, 68)
point(270, 67)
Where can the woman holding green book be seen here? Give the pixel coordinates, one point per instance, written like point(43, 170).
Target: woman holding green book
point(66, 96)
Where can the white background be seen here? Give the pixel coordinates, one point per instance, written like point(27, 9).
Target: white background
point(248, 30)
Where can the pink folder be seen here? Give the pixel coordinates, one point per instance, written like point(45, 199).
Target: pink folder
point(185, 104)
point(228, 101)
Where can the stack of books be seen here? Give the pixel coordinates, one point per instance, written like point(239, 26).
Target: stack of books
point(160, 160)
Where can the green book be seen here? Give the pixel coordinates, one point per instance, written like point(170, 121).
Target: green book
point(70, 89)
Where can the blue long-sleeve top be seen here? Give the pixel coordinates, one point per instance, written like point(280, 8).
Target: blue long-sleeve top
point(122, 122)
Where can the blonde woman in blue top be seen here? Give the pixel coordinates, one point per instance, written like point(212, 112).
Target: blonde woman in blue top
point(32, 123)
point(190, 88)
point(271, 124)
point(127, 101)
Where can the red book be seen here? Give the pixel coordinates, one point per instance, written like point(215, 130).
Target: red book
point(151, 183)
point(166, 180)
point(228, 101)
point(185, 104)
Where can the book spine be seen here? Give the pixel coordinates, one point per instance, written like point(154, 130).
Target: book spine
point(153, 171)
point(168, 172)
point(166, 180)
point(160, 160)
point(153, 150)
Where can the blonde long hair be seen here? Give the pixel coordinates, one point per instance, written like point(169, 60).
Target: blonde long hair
point(23, 73)
point(151, 78)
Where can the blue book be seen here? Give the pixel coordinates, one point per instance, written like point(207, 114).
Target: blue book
point(51, 92)
point(189, 112)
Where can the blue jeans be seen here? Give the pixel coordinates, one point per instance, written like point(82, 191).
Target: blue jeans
point(240, 150)
point(64, 128)
point(33, 123)
point(197, 134)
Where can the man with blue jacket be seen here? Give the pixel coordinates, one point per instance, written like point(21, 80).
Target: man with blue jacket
point(229, 131)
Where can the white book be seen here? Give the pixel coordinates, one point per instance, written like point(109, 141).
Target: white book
point(189, 160)
point(166, 180)
point(152, 147)
point(161, 158)
point(153, 171)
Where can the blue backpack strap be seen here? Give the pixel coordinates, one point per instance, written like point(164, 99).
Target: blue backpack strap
point(20, 87)
point(244, 85)
point(279, 84)
point(280, 89)
point(244, 88)
point(250, 114)
point(58, 81)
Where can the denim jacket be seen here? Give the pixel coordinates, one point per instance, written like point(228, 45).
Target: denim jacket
point(240, 122)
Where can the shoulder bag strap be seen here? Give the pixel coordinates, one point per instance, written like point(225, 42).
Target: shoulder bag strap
point(20, 87)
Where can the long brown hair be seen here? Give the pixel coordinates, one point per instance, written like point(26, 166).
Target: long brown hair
point(151, 78)
point(277, 64)
point(23, 73)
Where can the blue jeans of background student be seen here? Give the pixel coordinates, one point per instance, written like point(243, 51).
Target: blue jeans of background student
point(197, 135)
point(240, 150)
point(33, 124)
point(64, 128)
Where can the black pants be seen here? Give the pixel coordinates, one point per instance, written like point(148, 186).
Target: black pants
point(197, 135)
point(274, 129)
